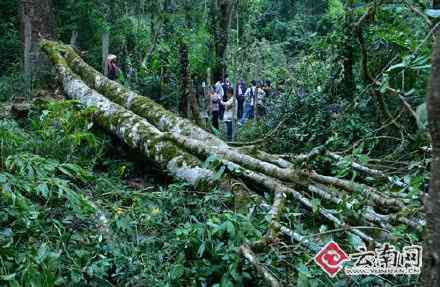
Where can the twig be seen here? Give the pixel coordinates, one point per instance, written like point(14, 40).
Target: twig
point(418, 12)
point(369, 138)
point(368, 192)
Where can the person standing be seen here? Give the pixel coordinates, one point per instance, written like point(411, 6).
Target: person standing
point(249, 102)
point(112, 68)
point(228, 116)
point(260, 108)
point(221, 92)
point(268, 88)
point(239, 94)
point(215, 107)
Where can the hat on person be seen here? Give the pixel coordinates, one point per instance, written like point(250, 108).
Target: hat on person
point(111, 57)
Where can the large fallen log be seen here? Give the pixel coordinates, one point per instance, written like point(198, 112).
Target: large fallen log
point(154, 113)
point(131, 128)
point(197, 140)
point(160, 117)
point(179, 147)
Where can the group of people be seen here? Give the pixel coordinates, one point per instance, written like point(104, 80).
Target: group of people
point(237, 104)
point(226, 103)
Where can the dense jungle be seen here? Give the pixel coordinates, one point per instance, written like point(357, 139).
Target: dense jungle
point(219, 143)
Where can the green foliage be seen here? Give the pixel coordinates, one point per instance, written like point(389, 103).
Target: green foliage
point(10, 39)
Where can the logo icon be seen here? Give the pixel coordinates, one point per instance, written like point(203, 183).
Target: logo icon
point(330, 258)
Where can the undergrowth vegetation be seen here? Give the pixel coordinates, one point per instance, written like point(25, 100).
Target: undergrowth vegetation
point(74, 214)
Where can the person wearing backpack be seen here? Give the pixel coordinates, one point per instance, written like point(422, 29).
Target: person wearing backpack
point(249, 102)
point(228, 116)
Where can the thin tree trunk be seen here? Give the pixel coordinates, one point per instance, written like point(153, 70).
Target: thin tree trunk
point(27, 55)
point(105, 39)
point(185, 81)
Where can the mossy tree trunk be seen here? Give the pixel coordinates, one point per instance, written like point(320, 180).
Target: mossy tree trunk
point(134, 130)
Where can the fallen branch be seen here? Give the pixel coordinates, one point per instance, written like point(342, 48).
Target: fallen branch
point(247, 252)
point(305, 157)
point(371, 172)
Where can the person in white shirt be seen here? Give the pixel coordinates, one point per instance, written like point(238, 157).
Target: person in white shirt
point(228, 116)
point(214, 107)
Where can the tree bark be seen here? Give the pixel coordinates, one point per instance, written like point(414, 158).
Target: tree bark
point(74, 39)
point(105, 42)
point(431, 258)
point(36, 22)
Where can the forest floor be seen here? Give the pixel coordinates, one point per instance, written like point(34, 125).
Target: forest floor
point(79, 209)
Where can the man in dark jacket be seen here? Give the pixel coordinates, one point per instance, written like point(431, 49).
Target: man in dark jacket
point(240, 90)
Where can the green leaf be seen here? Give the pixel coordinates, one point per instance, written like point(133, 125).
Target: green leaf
point(8, 277)
point(230, 228)
point(43, 190)
point(316, 203)
point(201, 250)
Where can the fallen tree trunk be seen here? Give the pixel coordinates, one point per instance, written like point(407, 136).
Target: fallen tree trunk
point(131, 128)
point(157, 115)
point(154, 113)
point(190, 136)
point(179, 147)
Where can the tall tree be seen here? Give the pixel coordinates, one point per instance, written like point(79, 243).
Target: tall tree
point(348, 80)
point(36, 22)
point(105, 36)
point(431, 258)
point(222, 12)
